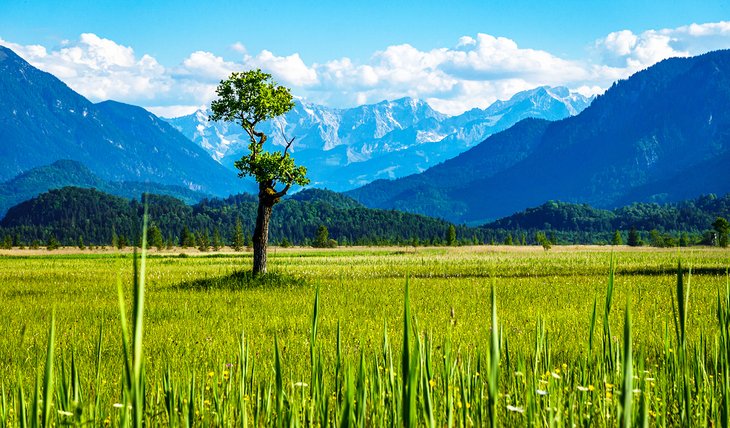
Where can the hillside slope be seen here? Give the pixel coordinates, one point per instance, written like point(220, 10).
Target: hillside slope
point(662, 135)
point(42, 120)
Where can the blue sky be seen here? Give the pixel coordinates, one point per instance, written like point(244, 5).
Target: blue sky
point(168, 55)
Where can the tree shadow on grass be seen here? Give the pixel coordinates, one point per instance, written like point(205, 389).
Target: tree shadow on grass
point(242, 280)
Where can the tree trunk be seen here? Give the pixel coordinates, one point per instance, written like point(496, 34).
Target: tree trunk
point(261, 234)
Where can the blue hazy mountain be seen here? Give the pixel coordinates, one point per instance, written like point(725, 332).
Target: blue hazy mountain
point(42, 120)
point(660, 135)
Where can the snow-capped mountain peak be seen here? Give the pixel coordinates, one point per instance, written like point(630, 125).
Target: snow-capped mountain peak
point(347, 147)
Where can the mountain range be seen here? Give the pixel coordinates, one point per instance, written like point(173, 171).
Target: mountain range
point(346, 148)
point(661, 135)
point(42, 120)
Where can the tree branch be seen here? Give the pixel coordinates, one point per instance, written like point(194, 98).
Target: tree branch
point(288, 142)
point(258, 138)
point(283, 191)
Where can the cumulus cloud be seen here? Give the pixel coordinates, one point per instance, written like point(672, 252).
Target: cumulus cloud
point(631, 52)
point(474, 72)
point(100, 68)
point(290, 70)
point(205, 66)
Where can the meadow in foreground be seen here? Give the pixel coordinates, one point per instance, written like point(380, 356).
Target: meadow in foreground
point(324, 341)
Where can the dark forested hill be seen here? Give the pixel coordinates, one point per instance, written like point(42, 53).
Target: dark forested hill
point(65, 173)
point(71, 212)
point(337, 200)
point(661, 135)
point(688, 216)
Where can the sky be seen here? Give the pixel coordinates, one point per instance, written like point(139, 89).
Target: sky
point(168, 56)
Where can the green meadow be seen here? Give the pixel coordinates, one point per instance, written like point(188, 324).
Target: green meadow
point(320, 340)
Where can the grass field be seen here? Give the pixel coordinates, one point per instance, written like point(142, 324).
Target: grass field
point(194, 319)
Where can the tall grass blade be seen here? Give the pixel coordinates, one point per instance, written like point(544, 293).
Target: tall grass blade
point(138, 396)
point(608, 354)
point(628, 374)
point(406, 362)
point(48, 375)
point(494, 362)
point(279, 382)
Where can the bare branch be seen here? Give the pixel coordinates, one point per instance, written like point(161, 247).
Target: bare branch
point(288, 142)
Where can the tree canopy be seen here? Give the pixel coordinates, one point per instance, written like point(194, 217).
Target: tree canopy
point(249, 98)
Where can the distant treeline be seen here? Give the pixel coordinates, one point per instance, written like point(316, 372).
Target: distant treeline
point(77, 216)
point(676, 224)
point(65, 215)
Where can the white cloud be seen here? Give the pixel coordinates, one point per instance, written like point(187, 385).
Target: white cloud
point(206, 66)
point(632, 52)
point(99, 68)
point(290, 70)
point(476, 71)
point(239, 47)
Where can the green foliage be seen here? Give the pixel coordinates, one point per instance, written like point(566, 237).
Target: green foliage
point(216, 242)
point(203, 241)
point(322, 239)
point(187, 238)
point(657, 239)
point(634, 238)
point(617, 240)
point(52, 243)
point(155, 237)
point(238, 242)
point(71, 212)
point(115, 238)
point(248, 99)
point(690, 216)
point(723, 229)
point(451, 236)
point(272, 167)
point(334, 199)
point(543, 240)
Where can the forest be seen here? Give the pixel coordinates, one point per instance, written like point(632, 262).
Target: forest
point(75, 216)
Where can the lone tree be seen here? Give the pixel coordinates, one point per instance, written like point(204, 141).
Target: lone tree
point(248, 99)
